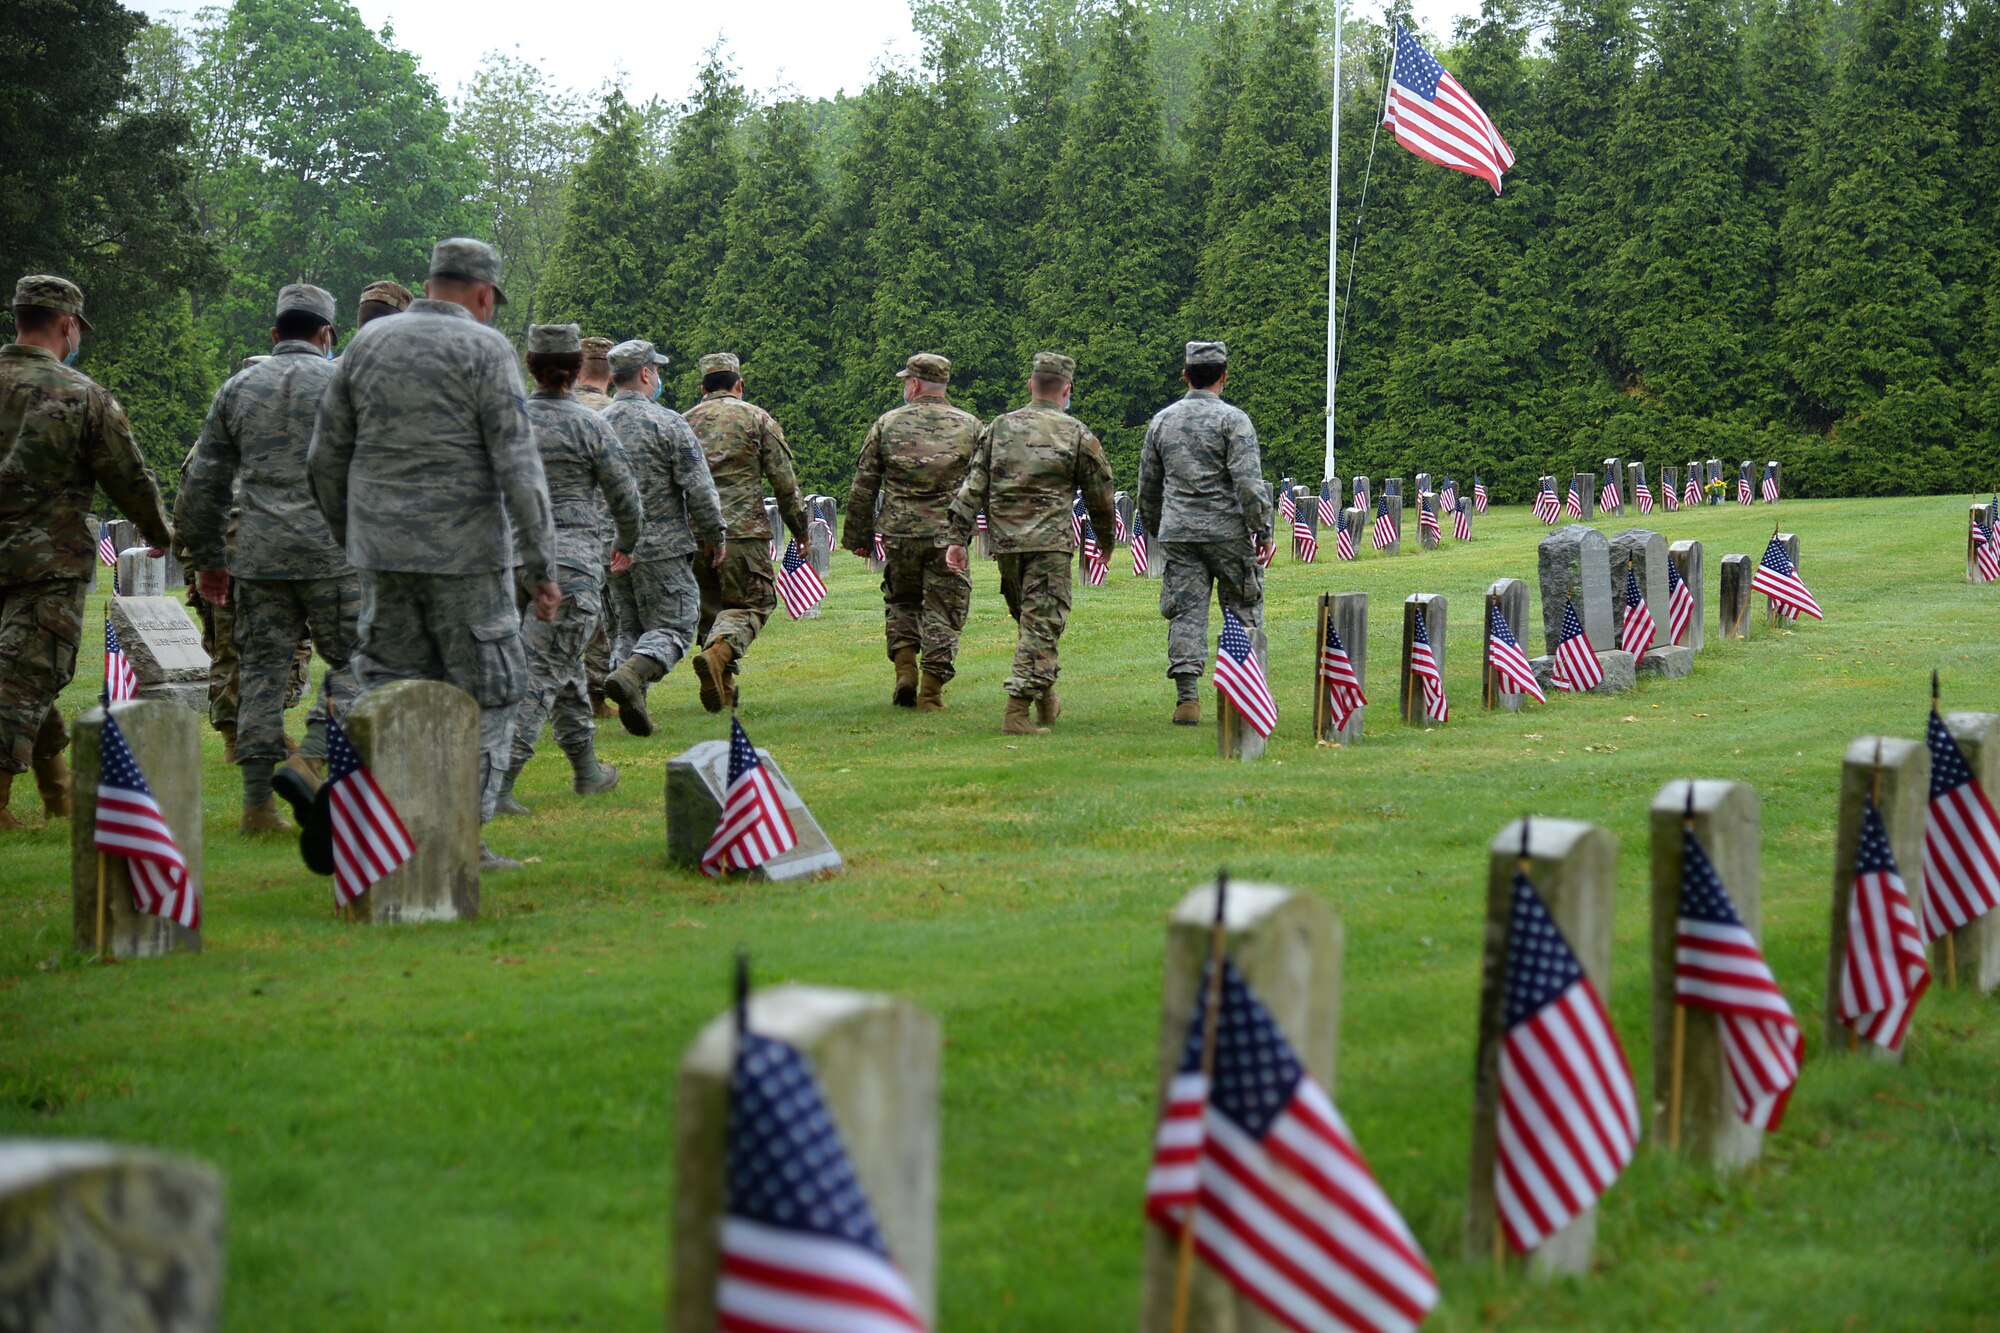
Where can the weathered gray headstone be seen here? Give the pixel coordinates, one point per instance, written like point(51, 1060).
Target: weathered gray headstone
point(877, 1061)
point(1334, 495)
point(124, 534)
point(1424, 482)
point(1614, 477)
point(1733, 597)
point(165, 740)
point(1646, 551)
point(1512, 595)
point(1574, 868)
point(1748, 472)
point(140, 574)
point(1410, 690)
point(164, 647)
point(1904, 800)
point(698, 777)
point(1727, 825)
point(1362, 494)
point(101, 1237)
point(420, 738)
point(1715, 474)
point(1124, 505)
point(1360, 529)
point(1288, 947)
point(1687, 556)
point(1975, 520)
point(1585, 484)
point(1307, 505)
point(1667, 662)
point(1635, 479)
point(1395, 546)
point(1620, 668)
point(1426, 538)
point(1977, 946)
point(1574, 564)
point(1777, 475)
point(820, 553)
point(1670, 480)
point(1349, 612)
point(1393, 486)
point(1235, 738)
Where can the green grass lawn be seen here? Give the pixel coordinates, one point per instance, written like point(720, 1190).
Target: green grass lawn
point(468, 1126)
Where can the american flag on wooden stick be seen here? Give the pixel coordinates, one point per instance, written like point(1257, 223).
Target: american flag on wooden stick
point(1288, 505)
point(1285, 1208)
point(1239, 676)
point(1770, 485)
point(1329, 508)
point(1961, 839)
point(1743, 485)
point(1385, 527)
point(1573, 502)
point(1424, 666)
point(1885, 972)
point(1680, 603)
point(1337, 677)
point(1433, 117)
point(1669, 498)
point(1719, 968)
point(1427, 517)
point(107, 550)
point(1361, 493)
point(801, 1249)
point(1079, 518)
point(131, 825)
point(1343, 536)
point(1569, 1116)
point(1461, 521)
point(1691, 496)
point(979, 521)
point(799, 584)
point(1546, 507)
point(1985, 552)
point(1120, 536)
point(753, 826)
point(1635, 636)
point(1448, 494)
point(1509, 662)
point(368, 836)
point(881, 548)
point(119, 681)
point(1577, 668)
point(1305, 542)
point(1642, 495)
point(1778, 578)
point(1609, 498)
point(1478, 494)
point(1141, 558)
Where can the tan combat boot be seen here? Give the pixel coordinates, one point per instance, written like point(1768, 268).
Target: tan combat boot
point(1187, 713)
point(1019, 720)
point(7, 821)
point(52, 777)
point(228, 735)
point(1048, 708)
point(930, 695)
point(626, 687)
point(711, 669)
point(906, 679)
point(311, 770)
point(264, 818)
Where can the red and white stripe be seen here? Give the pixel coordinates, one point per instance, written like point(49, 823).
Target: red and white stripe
point(1770, 489)
point(1885, 972)
point(1786, 590)
point(1719, 968)
point(1511, 665)
point(779, 1281)
point(1743, 490)
point(369, 839)
point(1305, 543)
point(1096, 565)
point(1423, 665)
point(129, 824)
point(1451, 129)
point(1635, 636)
point(1985, 556)
point(1461, 525)
point(1427, 522)
point(1669, 499)
point(1609, 499)
point(1577, 668)
point(1573, 502)
point(1141, 561)
point(1385, 530)
point(1344, 543)
point(753, 826)
point(1961, 859)
point(1691, 497)
point(1680, 611)
point(1343, 687)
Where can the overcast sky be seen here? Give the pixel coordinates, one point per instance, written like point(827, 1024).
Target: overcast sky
point(816, 47)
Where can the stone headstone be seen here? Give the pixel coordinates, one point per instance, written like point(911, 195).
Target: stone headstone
point(124, 534)
point(164, 647)
point(1424, 483)
point(1647, 553)
point(1670, 480)
point(1727, 825)
point(1427, 539)
point(1288, 947)
point(1512, 595)
point(1234, 738)
point(1574, 564)
point(100, 1236)
point(877, 1063)
point(820, 553)
point(1790, 541)
point(1777, 475)
point(140, 574)
point(1667, 662)
point(1124, 506)
point(1360, 528)
point(1904, 800)
point(1714, 468)
point(1586, 493)
point(420, 738)
point(1614, 477)
point(1349, 612)
point(1393, 486)
point(698, 776)
point(1975, 520)
point(1409, 690)
point(1976, 946)
point(1574, 868)
point(1687, 557)
point(1331, 489)
point(1620, 670)
point(1362, 492)
point(1395, 546)
point(1747, 471)
point(1635, 478)
point(1733, 597)
point(165, 740)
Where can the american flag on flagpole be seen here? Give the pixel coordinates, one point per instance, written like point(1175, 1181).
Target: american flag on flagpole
point(1885, 972)
point(1305, 542)
point(1985, 552)
point(1778, 578)
point(1285, 1208)
point(1718, 968)
point(1385, 528)
point(1770, 485)
point(1239, 676)
point(1577, 668)
point(119, 681)
point(1424, 666)
point(1343, 544)
point(1573, 502)
point(1509, 662)
point(368, 836)
point(1461, 521)
point(1691, 495)
point(799, 584)
point(1635, 636)
point(753, 826)
point(801, 1249)
point(1328, 509)
point(1437, 120)
point(107, 551)
point(1427, 517)
point(1642, 495)
point(1337, 677)
point(1141, 561)
point(1961, 839)
point(1569, 1116)
point(1478, 494)
point(130, 824)
point(1680, 603)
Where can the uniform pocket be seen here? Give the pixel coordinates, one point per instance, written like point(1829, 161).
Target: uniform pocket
point(500, 667)
point(60, 624)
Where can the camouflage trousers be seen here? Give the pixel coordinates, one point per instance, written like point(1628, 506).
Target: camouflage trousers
point(41, 625)
point(557, 686)
point(218, 640)
point(1193, 571)
point(738, 598)
point(621, 615)
point(1037, 588)
point(666, 608)
point(271, 617)
point(458, 628)
point(924, 604)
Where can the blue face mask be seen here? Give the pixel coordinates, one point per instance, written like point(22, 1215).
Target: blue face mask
point(659, 387)
point(70, 360)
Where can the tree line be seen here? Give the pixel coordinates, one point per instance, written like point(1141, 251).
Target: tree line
point(1734, 227)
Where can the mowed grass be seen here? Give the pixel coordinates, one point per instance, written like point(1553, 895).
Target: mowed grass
point(470, 1125)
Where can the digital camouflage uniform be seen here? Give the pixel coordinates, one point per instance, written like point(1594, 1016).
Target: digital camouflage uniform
point(916, 456)
point(1202, 495)
point(422, 456)
point(1026, 470)
point(600, 657)
point(680, 503)
point(62, 437)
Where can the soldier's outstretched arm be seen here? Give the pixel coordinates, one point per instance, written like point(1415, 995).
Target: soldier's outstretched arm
point(697, 485)
point(616, 484)
point(1152, 479)
point(122, 472)
point(517, 464)
point(861, 495)
point(1093, 478)
point(777, 463)
point(331, 454)
point(1246, 472)
point(202, 509)
point(971, 497)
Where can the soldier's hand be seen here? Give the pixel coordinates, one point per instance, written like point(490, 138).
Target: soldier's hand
point(955, 559)
point(620, 562)
point(1267, 551)
point(157, 552)
point(213, 584)
point(718, 554)
point(548, 599)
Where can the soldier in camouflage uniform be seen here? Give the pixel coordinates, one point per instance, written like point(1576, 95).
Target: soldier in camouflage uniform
point(744, 448)
point(585, 470)
point(423, 462)
point(593, 382)
point(916, 456)
point(681, 505)
point(1202, 495)
point(61, 438)
point(1027, 468)
point(289, 576)
point(593, 390)
point(379, 300)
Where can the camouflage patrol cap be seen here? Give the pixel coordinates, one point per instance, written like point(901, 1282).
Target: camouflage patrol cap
point(388, 293)
point(474, 261)
point(635, 354)
point(556, 338)
point(1055, 363)
point(716, 361)
point(597, 349)
point(927, 366)
point(52, 293)
point(1205, 354)
point(304, 296)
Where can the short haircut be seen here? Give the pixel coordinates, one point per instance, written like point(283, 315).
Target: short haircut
point(1049, 386)
point(1202, 376)
point(370, 311)
point(299, 325)
point(930, 386)
point(35, 318)
point(555, 371)
point(628, 379)
point(718, 380)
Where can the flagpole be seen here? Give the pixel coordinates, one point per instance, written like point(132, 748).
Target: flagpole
point(1218, 944)
point(1333, 250)
point(1680, 1012)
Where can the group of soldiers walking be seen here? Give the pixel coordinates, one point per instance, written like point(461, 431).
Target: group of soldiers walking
point(408, 512)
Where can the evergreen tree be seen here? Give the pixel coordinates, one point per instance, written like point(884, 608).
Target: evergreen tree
point(1204, 132)
point(872, 160)
point(1030, 149)
point(1973, 63)
point(602, 271)
point(692, 232)
point(152, 361)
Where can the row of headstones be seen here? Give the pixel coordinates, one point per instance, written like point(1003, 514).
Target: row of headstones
point(1626, 480)
point(878, 1060)
point(1979, 518)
